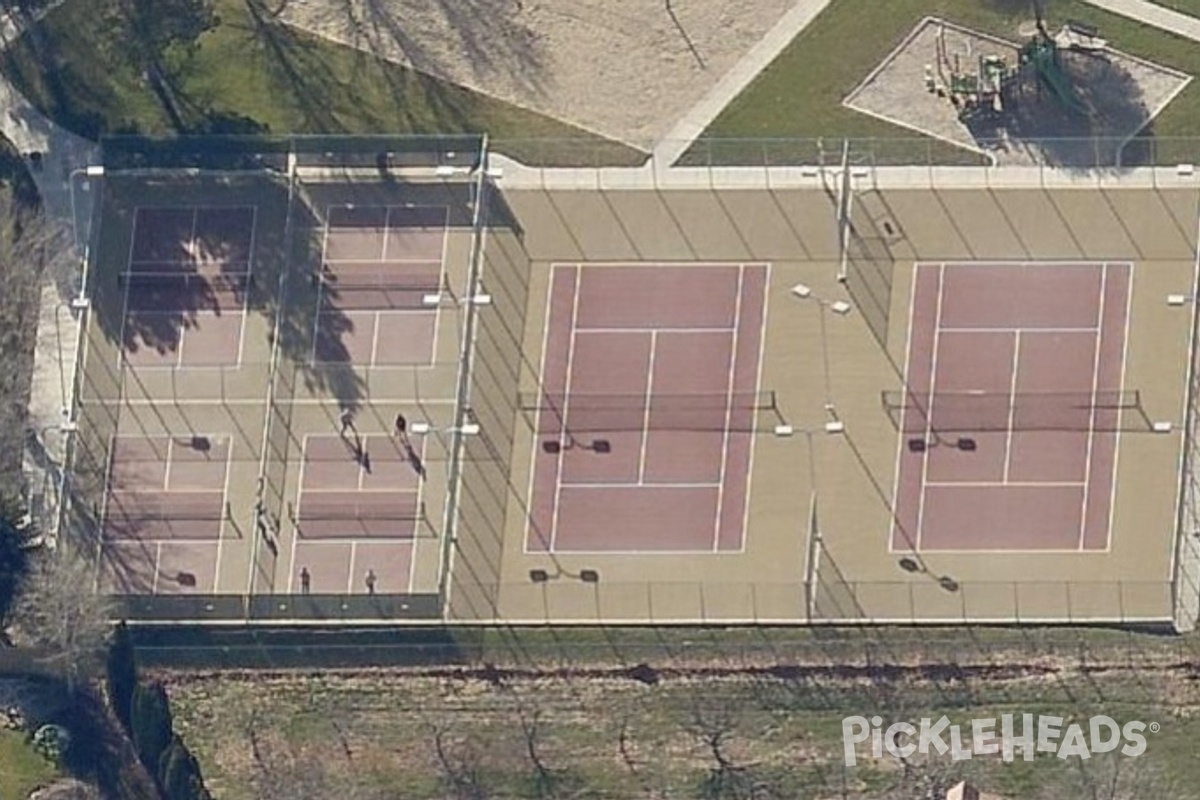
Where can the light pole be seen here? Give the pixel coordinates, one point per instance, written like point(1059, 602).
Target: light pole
point(812, 554)
point(839, 307)
point(91, 171)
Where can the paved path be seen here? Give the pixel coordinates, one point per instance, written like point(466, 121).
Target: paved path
point(698, 118)
point(1153, 15)
point(58, 323)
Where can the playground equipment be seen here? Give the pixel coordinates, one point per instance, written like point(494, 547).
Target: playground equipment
point(980, 85)
point(974, 84)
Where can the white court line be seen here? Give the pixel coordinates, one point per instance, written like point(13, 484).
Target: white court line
point(350, 568)
point(332, 403)
point(1091, 434)
point(1005, 484)
point(640, 485)
point(416, 523)
point(157, 566)
point(412, 564)
point(566, 402)
point(1124, 333)
point(904, 388)
point(730, 379)
point(1012, 402)
point(317, 321)
point(191, 245)
point(762, 348)
point(1019, 328)
point(937, 331)
point(646, 414)
point(442, 280)
point(167, 464)
point(294, 518)
point(640, 329)
point(375, 336)
point(225, 506)
point(656, 265)
point(537, 414)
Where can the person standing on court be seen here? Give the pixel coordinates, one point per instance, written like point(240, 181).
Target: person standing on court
point(305, 580)
point(401, 428)
point(370, 581)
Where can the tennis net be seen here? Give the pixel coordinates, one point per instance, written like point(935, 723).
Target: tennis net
point(196, 282)
point(381, 290)
point(594, 413)
point(978, 411)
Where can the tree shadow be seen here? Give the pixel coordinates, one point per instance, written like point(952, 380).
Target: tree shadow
point(1110, 109)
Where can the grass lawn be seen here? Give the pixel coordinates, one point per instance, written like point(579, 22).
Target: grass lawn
point(22, 769)
point(252, 73)
point(800, 94)
point(612, 737)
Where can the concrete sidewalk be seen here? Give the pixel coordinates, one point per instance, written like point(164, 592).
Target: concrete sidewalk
point(51, 396)
point(668, 150)
point(1153, 15)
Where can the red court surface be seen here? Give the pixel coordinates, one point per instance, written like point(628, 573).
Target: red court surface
point(1012, 415)
point(166, 511)
point(186, 286)
point(359, 508)
point(646, 414)
point(381, 285)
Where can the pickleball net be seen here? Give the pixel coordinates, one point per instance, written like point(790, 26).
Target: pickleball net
point(382, 289)
point(977, 411)
point(598, 413)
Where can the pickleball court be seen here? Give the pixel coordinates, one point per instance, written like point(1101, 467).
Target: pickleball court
point(381, 284)
point(186, 286)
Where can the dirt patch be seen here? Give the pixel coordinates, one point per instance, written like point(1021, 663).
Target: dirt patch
point(625, 70)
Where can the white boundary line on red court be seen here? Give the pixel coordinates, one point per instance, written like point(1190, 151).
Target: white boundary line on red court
point(566, 403)
point(1091, 435)
point(417, 522)
point(226, 506)
point(953, 329)
point(897, 525)
point(293, 517)
point(537, 420)
point(1012, 400)
point(730, 378)
point(638, 329)
point(646, 395)
point(1003, 484)
point(1112, 500)
point(762, 349)
point(937, 336)
point(640, 485)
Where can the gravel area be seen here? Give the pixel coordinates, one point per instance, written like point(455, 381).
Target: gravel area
point(627, 70)
point(1122, 94)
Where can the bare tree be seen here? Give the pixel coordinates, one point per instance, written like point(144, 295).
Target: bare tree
point(461, 765)
point(59, 610)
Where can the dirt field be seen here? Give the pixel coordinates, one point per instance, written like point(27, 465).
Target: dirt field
point(628, 72)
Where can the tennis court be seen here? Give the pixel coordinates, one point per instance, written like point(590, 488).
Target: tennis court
point(1014, 406)
point(649, 402)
